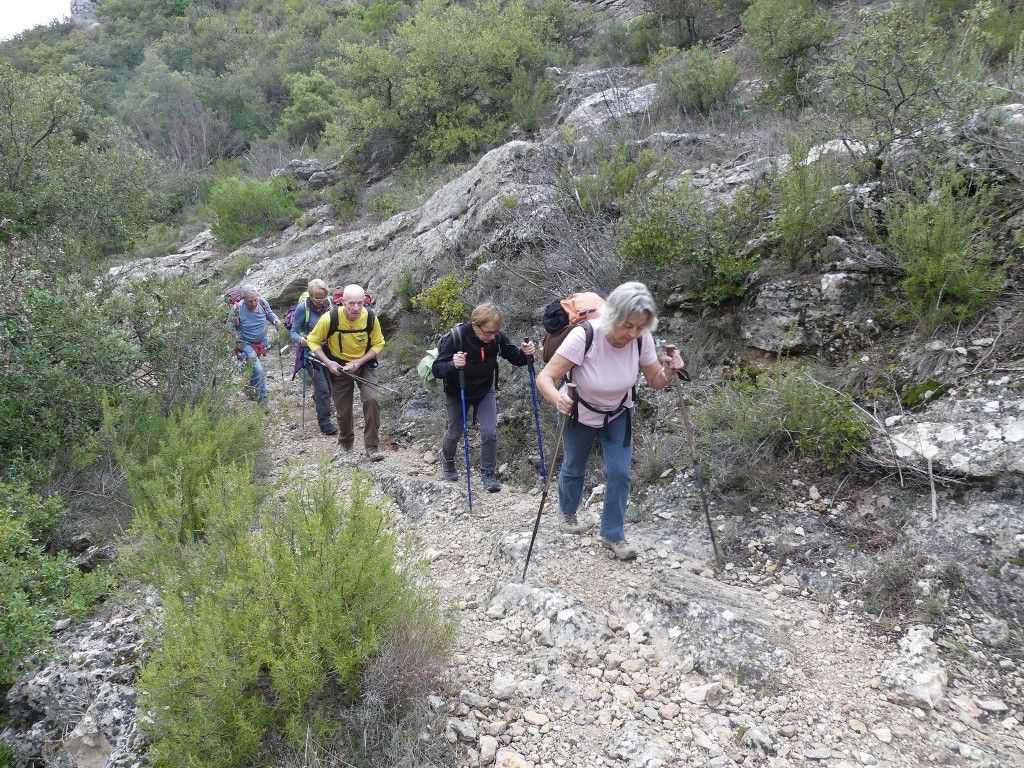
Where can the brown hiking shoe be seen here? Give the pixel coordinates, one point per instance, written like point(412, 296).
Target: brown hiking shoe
point(568, 523)
point(374, 454)
point(623, 549)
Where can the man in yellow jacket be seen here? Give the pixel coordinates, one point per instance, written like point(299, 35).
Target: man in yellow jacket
point(349, 355)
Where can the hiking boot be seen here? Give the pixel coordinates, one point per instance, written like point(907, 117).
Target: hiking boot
point(623, 549)
point(345, 446)
point(491, 482)
point(328, 428)
point(374, 454)
point(447, 467)
point(567, 523)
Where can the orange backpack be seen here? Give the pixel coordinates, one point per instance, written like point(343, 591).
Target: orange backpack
point(562, 315)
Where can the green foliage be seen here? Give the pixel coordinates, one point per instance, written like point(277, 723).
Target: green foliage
point(159, 240)
point(750, 425)
point(635, 42)
point(938, 232)
point(619, 175)
point(405, 288)
point(784, 36)
point(444, 300)
point(809, 201)
point(897, 80)
point(436, 90)
point(698, 79)
point(62, 167)
point(245, 208)
point(277, 620)
point(684, 21)
point(62, 351)
point(706, 247)
point(171, 463)
point(175, 325)
point(525, 99)
point(315, 100)
point(38, 587)
point(993, 26)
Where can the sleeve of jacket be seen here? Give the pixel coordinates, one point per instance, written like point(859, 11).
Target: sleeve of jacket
point(318, 335)
point(510, 351)
point(376, 337)
point(442, 366)
point(297, 323)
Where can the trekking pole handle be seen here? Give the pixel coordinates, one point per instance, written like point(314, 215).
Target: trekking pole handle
point(683, 374)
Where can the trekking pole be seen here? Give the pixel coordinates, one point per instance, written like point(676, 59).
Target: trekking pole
point(304, 373)
point(536, 414)
point(280, 359)
point(697, 474)
point(465, 435)
point(374, 384)
point(547, 485)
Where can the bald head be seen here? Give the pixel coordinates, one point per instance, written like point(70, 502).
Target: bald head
point(353, 298)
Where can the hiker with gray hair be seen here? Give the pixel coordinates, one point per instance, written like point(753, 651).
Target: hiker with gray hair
point(249, 319)
point(600, 405)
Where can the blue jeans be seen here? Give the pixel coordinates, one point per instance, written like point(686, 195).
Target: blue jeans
point(258, 378)
point(577, 440)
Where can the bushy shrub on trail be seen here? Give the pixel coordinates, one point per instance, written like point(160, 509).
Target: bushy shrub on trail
point(271, 613)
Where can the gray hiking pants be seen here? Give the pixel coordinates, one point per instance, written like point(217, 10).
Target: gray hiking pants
point(486, 419)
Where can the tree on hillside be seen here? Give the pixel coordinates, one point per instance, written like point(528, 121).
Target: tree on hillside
point(435, 90)
point(63, 167)
point(897, 81)
point(784, 36)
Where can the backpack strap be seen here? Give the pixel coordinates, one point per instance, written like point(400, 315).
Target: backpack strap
point(574, 414)
point(333, 327)
point(238, 317)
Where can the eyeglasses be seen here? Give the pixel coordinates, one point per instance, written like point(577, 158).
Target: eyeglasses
point(484, 331)
point(319, 302)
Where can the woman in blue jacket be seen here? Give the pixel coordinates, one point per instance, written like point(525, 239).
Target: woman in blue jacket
point(473, 348)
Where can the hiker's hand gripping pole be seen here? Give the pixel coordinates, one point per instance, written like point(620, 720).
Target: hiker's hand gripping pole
point(547, 485)
point(536, 413)
point(670, 349)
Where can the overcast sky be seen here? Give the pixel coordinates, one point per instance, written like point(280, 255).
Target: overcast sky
point(19, 15)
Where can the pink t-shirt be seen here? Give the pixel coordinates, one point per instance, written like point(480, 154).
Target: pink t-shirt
point(607, 373)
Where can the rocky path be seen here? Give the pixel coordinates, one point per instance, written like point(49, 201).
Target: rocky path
point(662, 661)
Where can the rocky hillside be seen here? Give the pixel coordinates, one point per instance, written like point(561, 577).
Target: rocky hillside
point(869, 619)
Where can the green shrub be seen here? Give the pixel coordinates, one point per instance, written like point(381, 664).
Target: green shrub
point(58, 366)
point(444, 300)
point(278, 634)
point(784, 37)
point(159, 240)
point(939, 235)
point(698, 80)
point(169, 460)
point(176, 328)
point(245, 208)
point(996, 28)
point(405, 288)
point(897, 82)
point(810, 202)
point(38, 587)
point(635, 42)
point(749, 425)
point(437, 89)
point(706, 247)
point(620, 174)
